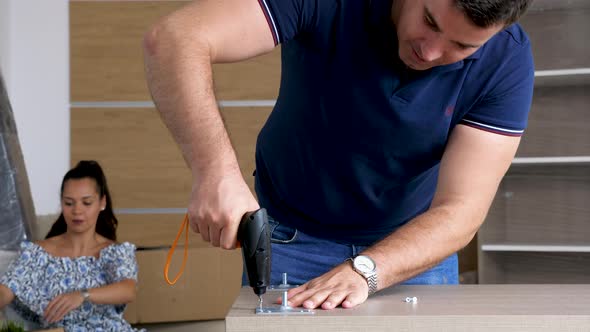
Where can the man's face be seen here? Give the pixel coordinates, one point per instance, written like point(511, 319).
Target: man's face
point(435, 33)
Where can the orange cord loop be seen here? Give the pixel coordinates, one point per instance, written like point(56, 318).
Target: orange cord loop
point(183, 227)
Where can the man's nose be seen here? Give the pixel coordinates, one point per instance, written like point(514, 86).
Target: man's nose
point(431, 50)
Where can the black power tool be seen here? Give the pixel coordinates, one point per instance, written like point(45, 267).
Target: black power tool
point(254, 237)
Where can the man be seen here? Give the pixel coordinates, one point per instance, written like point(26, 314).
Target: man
point(395, 122)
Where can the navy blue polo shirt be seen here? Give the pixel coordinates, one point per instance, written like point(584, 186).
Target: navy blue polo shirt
point(352, 148)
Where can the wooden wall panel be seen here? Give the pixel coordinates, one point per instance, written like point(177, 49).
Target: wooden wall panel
point(142, 163)
point(155, 230)
point(542, 205)
point(152, 231)
point(106, 48)
point(558, 197)
point(556, 36)
point(557, 123)
point(537, 268)
point(107, 57)
point(257, 78)
point(144, 166)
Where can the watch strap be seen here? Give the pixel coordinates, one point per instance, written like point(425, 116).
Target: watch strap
point(371, 278)
point(372, 282)
point(85, 295)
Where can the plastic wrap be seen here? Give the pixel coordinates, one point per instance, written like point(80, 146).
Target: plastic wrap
point(17, 213)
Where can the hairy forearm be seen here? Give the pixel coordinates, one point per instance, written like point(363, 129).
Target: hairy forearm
point(117, 293)
point(179, 75)
point(424, 242)
point(471, 170)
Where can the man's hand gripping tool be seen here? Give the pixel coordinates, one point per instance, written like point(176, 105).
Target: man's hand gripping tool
point(253, 236)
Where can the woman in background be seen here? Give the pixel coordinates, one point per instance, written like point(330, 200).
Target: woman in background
point(79, 277)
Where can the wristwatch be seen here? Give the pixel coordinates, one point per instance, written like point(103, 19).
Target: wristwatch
point(366, 267)
point(85, 295)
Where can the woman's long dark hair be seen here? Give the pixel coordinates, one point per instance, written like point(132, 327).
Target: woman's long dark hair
point(106, 225)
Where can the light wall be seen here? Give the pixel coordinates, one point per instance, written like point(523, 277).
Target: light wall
point(4, 36)
point(34, 55)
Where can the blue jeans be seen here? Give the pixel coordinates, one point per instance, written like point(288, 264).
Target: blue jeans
point(304, 257)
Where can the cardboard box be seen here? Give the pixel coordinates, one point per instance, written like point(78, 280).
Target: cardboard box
point(206, 290)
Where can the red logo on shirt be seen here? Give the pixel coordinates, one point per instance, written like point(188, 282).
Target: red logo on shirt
point(449, 111)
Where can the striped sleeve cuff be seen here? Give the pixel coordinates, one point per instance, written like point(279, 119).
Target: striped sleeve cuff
point(493, 129)
point(270, 20)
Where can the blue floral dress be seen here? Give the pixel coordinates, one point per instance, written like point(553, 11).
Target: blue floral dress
point(36, 278)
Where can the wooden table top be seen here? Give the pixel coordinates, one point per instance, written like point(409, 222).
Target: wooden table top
point(452, 308)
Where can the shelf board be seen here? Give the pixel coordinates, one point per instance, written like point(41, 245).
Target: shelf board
point(551, 160)
point(535, 247)
point(562, 77)
point(562, 72)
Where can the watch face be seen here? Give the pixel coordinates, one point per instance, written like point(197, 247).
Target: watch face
point(364, 264)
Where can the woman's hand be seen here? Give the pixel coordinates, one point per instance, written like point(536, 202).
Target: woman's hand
point(61, 305)
point(6, 296)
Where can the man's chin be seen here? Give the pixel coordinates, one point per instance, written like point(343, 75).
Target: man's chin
point(416, 66)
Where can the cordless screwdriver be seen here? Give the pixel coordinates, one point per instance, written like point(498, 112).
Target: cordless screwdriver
point(254, 238)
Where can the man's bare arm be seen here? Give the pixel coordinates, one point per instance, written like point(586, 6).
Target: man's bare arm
point(179, 51)
point(471, 170)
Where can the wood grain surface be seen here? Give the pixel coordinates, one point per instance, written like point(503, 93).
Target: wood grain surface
point(557, 122)
point(556, 35)
point(439, 308)
point(107, 57)
point(143, 164)
point(541, 205)
point(518, 267)
point(155, 231)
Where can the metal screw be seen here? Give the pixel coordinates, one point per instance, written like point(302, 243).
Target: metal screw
point(412, 299)
point(285, 303)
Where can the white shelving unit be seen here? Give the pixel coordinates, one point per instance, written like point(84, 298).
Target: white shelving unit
point(538, 228)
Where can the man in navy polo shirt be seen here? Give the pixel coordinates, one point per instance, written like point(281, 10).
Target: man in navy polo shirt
point(394, 124)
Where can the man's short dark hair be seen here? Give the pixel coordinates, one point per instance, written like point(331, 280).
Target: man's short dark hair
point(485, 13)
